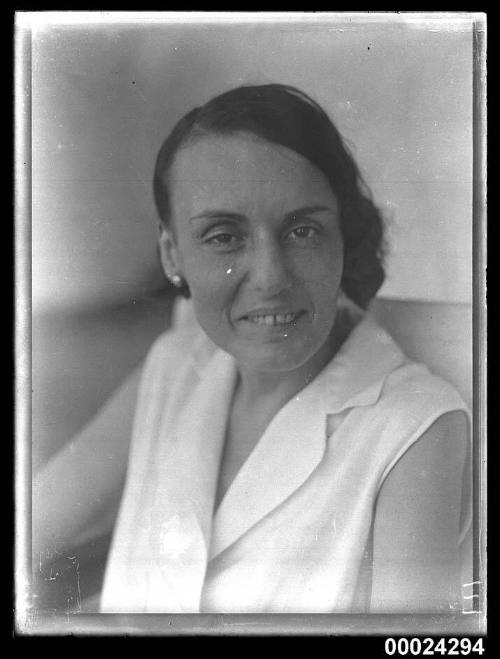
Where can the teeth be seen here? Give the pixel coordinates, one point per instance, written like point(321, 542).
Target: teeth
point(274, 319)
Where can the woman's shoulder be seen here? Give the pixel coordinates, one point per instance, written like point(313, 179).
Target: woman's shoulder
point(413, 390)
point(396, 399)
point(419, 410)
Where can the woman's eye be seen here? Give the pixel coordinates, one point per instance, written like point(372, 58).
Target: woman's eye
point(223, 240)
point(304, 233)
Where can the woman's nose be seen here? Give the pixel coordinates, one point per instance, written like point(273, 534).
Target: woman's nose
point(270, 270)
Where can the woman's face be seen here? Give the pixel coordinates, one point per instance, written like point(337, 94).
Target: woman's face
point(255, 234)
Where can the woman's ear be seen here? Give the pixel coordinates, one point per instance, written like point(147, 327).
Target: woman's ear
point(169, 253)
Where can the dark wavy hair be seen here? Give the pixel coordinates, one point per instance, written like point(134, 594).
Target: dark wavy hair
point(286, 116)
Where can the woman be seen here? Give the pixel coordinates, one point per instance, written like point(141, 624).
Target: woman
point(286, 456)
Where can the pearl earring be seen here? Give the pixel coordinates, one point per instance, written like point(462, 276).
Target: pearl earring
point(176, 280)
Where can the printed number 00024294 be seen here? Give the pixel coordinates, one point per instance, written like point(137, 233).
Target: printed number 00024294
point(429, 646)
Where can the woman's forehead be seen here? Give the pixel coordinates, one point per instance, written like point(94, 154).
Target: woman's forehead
point(242, 165)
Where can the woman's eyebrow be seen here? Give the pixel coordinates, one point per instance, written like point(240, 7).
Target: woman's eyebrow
point(218, 214)
point(298, 213)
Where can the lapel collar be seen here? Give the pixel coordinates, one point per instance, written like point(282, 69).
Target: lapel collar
point(184, 485)
point(356, 375)
point(286, 454)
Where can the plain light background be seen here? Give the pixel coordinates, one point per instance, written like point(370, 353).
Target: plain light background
point(104, 96)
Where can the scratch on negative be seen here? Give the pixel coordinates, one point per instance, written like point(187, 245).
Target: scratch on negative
point(79, 597)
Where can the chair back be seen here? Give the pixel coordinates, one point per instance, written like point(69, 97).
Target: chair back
point(438, 334)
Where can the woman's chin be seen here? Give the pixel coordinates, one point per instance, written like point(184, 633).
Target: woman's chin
point(276, 357)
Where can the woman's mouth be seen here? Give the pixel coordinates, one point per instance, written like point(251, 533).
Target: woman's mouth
point(273, 319)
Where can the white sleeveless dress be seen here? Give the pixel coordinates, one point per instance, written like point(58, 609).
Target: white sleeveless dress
point(290, 534)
